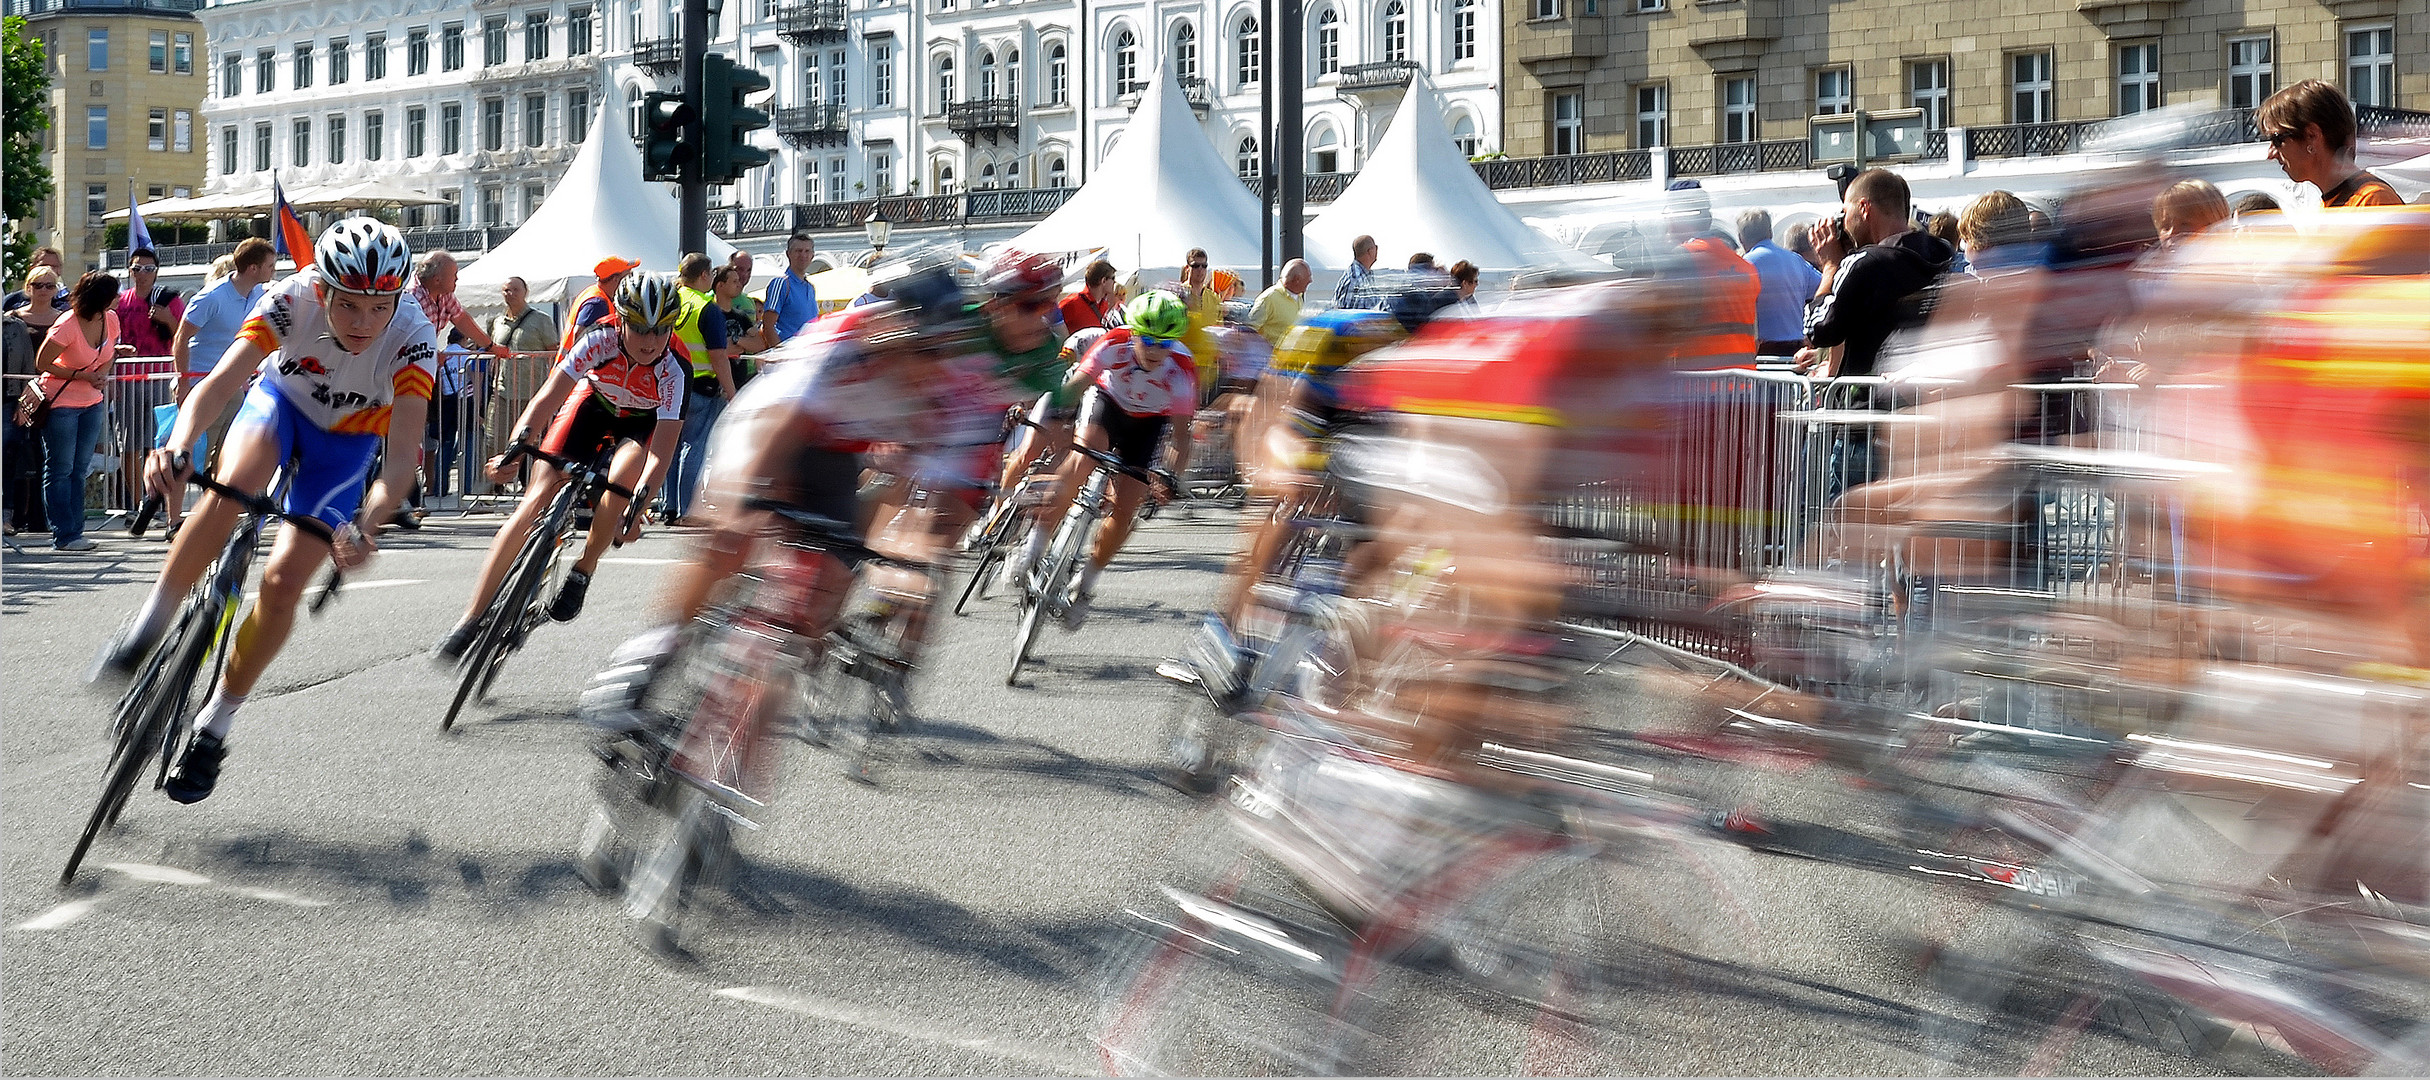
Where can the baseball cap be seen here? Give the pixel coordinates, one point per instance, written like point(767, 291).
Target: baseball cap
point(613, 265)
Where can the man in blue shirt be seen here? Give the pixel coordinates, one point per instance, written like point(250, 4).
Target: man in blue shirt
point(1786, 281)
point(212, 319)
point(1352, 292)
point(790, 299)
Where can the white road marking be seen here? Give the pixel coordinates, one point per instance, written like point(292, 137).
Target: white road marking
point(165, 875)
point(637, 560)
point(277, 897)
point(59, 916)
point(913, 1028)
point(352, 586)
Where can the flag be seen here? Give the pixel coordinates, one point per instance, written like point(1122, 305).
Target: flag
point(137, 235)
point(287, 233)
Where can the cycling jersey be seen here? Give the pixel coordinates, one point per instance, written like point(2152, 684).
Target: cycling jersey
point(339, 391)
point(599, 359)
point(1035, 371)
point(853, 400)
point(1245, 356)
point(1168, 389)
point(1314, 352)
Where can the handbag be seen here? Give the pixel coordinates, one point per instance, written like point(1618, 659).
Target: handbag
point(34, 406)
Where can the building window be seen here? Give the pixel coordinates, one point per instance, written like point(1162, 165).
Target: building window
point(1249, 53)
point(231, 75)
point(987, 178)
point(1928, 90)
point(451, 212)
point(881, 172)
point(2138, 78)
point(156, 131)
point(417, 127)
point(1738, 110)
point(417, 52)
point(341, 63)
point(1463, 30)
point(227, 151)
point(1058, 75)
point(265, 71)
point(809, 77)
point(987, 76)
point(2371, 65)
point(1545, 9)
point(578, 30)
point(156, 55)
point(1324, 151)
point(303, 64)
point(881, 74)
point(337, 139)
point(2029, 88)
point(375, 57)
point(1834, 91)
point(1569, 124)
point(632, 25)
point(374, 131)
point(97, 127)
point(97, 49)
point(1653, 116)
point(944, 68)
point(1185, 52)
point(1012, 173)
point(451, 47)
point(1464, 135)
point(493, 41)
point(2252, 76)
point(1126, 64)
point(1328, 42)
point(299, 150)
point(1245, 159)
point(1642, 5)
point(1057, 175)
point(578, 115)
point(493, 123)
point(181, 132)
point(493, 206)
point(1012, 78)
point(836, 178)
point(181, 54)
point(96, 203)
point(945, 178)
point(535, 119)
point(532, 196)
point(810, 188)
point(1396, 31)
point(451, 128)
point(535, 36)
point(261, 148)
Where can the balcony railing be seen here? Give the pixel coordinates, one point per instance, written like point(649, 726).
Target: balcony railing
point(112, 7)
point(1009, 204)
point(1611, 167)
point(1195, 90)
point(1316, 187)
point(813, 125)
point(1013, 204)
point(1743, 157)
point(990, 117)
point(659, 55)
point(811, 21)
point(1387, 75)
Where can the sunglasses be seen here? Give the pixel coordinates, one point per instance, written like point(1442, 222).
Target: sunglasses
point(2281, 138)
point(42, 284)
point(1198, 266)
point(1159, 342)
point(1034, 307)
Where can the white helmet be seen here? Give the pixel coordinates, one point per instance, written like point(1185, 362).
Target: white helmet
point(362, 255)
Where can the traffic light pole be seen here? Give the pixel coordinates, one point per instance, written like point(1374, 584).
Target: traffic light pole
point(1288, 69)
point(693, 232)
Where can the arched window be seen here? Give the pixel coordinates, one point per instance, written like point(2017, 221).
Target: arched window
point(1056, 174)
point(987, 178)
point(1249, 53)
point(1328, 42)
point(1126, 63)
point(1012, 174)
point(944, 177)
point(1058, 75)
point(1396, 31)
point(944, 69)
point(987, 76)
point(1463, 30)
point(1245, 159)
point(1464, 134)
point(1012, 76)
point(1185, 52)
point(1324, 150)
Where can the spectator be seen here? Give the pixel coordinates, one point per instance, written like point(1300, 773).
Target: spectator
point(1997, 230)
point(592, 305)
point(208, 331)
point(34, 318)
point(220, 268)
point(1277, 309)
point(703, 342)
point(1875, 271)
point(2187, 207)
point(1422, 261)
point(43, 257)
point(1353, 291)
point(2255, 202)
point(434, 291)
point(1784, 281)
point(790, 298)
point(1206, 311)
point(17, 349)
point(1464, 275)
point(531, 335)
point(1093, 305)
point(148, 315)
point(1943, 227)
point(762, 333)
point(75, 361)
point(1802, 245)
point(726, 288)
point(2311, 130)
point(1725, 332)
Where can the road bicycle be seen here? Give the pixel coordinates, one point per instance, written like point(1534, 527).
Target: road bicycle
point(1045, 591)
point(1007, 523)
point(154, 719)
point(531, 584)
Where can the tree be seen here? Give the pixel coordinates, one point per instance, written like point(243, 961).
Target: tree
point(27, 100)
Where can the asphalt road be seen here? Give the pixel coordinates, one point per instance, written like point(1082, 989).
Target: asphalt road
point(367, 895)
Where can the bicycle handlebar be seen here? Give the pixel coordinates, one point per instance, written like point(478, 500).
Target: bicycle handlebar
point(586, 471)
point(264, 505)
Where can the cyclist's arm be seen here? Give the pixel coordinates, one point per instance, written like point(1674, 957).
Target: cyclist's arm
point(546, 403)
point(211, 396)
point(405, 417)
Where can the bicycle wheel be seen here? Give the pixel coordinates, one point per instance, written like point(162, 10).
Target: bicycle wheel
point(696, 853)
point(147, 719)
point(1059, 556)
point(977, 586)
point(501, 625)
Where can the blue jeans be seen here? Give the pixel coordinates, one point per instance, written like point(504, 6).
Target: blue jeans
point(68, 440)
point(700, 413)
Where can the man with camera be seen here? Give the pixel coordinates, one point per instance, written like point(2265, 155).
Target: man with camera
point(1876, 269)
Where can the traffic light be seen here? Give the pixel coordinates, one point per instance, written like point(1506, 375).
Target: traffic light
point(727, 122)
point(664, 132)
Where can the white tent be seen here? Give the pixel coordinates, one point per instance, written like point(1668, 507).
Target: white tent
point(1416, 192)
point(1164, 191)
point(601, 207)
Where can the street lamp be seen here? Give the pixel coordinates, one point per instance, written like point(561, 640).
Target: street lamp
point(880, 230)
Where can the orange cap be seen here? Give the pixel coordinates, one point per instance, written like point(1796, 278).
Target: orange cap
point(612, 266)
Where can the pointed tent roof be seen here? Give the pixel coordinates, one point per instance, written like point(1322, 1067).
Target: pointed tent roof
point(1163, 191)
point(601, 207)
point(1416, 192)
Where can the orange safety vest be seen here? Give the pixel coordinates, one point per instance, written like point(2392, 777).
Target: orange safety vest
point(1725, 334)
point(572, 331)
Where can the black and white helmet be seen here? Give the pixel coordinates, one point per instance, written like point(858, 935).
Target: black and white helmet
point(649, 302)
point(362, 255)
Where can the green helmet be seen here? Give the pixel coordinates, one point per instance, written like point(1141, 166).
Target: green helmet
point(1157, 314)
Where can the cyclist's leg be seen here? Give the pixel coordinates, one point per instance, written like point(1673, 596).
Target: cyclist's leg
point(631, 459)
point(545, 479)
point(1087, 431)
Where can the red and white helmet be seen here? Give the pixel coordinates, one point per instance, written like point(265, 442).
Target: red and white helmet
point(363, 255)
point(1018, 273)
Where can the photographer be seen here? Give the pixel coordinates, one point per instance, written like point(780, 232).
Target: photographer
point(1875, 270)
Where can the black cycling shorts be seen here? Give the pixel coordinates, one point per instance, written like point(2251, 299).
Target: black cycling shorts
point(1131, 438)
point(823, 482)
point(587, 429)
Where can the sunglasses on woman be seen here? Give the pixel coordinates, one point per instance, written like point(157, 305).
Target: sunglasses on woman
point(42, 284)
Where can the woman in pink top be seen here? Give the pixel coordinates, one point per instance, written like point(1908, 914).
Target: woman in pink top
point(75, 362)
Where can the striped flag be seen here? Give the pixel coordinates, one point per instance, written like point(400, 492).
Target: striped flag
point(287, 233)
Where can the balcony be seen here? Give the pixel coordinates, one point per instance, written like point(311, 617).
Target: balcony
point(811, 22)
point(1613, 167)
point(1732, 35)
point(1391, 75)
point(659, 56)
point(1194, 90)
point(813, 125)
point(990, 118)
point(1773, 156)
point(102, 7)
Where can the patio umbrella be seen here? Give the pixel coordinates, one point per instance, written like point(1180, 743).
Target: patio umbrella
point(372, 194)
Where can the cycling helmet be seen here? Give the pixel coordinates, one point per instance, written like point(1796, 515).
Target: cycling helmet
point(362, 255)
point(1016, 272)
point(649, 301)
point(1157, 314)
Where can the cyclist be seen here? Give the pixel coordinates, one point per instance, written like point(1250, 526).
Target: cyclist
point(1029, 354)
point(619, 391)
point(1139, 377)
point(344, 364)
